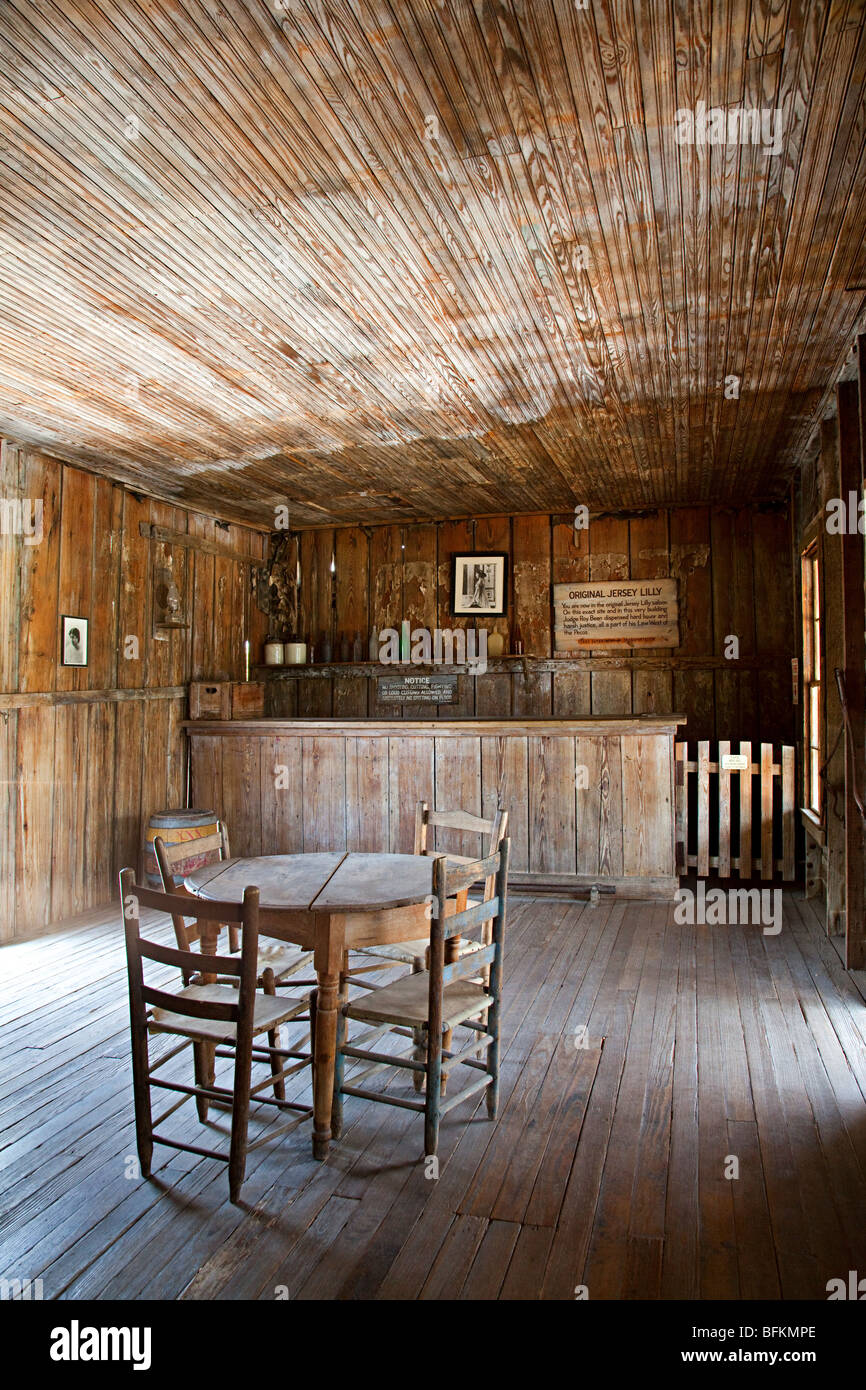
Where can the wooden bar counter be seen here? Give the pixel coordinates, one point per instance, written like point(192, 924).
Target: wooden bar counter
point(589, 800)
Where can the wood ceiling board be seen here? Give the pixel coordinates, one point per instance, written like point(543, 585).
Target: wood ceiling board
point(383, 261)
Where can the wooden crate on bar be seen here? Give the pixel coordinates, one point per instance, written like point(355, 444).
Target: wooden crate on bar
point(735, 774)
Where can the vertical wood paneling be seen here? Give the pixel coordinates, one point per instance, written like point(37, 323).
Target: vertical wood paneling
point(202, 606)
point(97, 847)
point(10, 572)
point(130, 720)
point(282, 795)
point(599, 806)
point(324, 808)
point(134, 587)
point(733, 616)
point(367, 783)
point(105, 585)
point(646, 791)
point(8, 821)
point(650, 558)
point(410, 780)
point(572, 694)
point(69, 858)
point(242, 794)
point(33, 831)
point(457, 788)
point(551, 805)
point(609, 559)
point(207, 776)
point(690, 558)
point(532, 605)
point(39, 634)
point(352, 550)
point(75, 579)
point(505, 782)
point(455, 537)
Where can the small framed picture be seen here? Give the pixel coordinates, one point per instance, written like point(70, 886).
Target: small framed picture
point(478, 585)
point(73, 647)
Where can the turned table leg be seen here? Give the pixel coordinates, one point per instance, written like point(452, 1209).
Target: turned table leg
point(328, 960)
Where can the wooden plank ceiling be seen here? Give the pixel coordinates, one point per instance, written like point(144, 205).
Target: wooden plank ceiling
point(429, 257)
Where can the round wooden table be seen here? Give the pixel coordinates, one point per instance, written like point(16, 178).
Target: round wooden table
point(330, 904)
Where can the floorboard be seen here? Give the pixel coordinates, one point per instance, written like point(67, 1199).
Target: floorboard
point(682, 1115)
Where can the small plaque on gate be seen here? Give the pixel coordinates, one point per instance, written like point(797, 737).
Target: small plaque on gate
point(734, 762)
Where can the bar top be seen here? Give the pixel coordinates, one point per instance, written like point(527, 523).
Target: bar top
point(440, 728)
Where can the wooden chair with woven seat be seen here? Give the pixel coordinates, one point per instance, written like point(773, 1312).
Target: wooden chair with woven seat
point(224, 1016)
point(414, 953)
point(434, 1002)
point(277, 963)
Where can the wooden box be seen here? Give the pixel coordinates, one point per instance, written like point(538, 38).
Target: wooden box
point(248, 699)
point(210, 700)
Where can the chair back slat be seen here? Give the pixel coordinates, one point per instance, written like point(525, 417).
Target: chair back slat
point(214, 1009)
point(458, 923)
point(133, 897)
point(460, 820)
point(462, 876)
point(208, 965)
point(463, 821)
point(214, 849)
point(450, 879)
point(209, 849)
point(205, 908)
point(466, 967)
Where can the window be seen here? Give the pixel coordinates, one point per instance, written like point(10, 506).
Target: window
point(812, 711)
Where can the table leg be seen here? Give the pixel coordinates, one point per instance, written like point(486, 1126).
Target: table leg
point(328, 961)
point(323, 1062)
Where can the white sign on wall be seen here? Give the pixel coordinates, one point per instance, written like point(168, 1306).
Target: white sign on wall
point(616, 613)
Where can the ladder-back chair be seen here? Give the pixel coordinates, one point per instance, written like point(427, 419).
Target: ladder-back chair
point(430, 1004)
point(227, 1017)
point(414, 953)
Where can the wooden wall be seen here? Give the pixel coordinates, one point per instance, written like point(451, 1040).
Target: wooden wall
point(835, 471)
point(87, 754)
point(734, 568)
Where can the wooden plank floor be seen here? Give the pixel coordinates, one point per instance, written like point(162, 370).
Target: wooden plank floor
point(640, 1058)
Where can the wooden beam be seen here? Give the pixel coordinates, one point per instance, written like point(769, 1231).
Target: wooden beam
point(854, 653)
point(28, 699)
point(165, 536)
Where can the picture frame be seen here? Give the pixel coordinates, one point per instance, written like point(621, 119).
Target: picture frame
point(479, 584)
point(74, 640)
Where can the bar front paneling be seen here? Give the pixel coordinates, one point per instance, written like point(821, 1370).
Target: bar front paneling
point(589, 800)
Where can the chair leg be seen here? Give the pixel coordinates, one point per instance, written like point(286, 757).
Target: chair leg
point(240, 1118)
point(419, 1051)
point(200, 1064)
point(270, 987)
point(339, 1059)
point(493, 1061)
point(141, 1099)
point(433, 1099)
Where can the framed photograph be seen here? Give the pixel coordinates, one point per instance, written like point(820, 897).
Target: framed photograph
point(478, 585)
point(73, 643)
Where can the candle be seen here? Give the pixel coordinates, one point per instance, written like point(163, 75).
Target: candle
point(247, 660)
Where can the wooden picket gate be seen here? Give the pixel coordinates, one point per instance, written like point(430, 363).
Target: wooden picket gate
point(725, 809)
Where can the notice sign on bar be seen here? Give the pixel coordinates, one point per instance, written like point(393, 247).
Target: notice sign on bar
point(616, 613)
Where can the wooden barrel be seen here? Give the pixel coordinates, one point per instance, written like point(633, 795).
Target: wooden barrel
point(180, 828)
